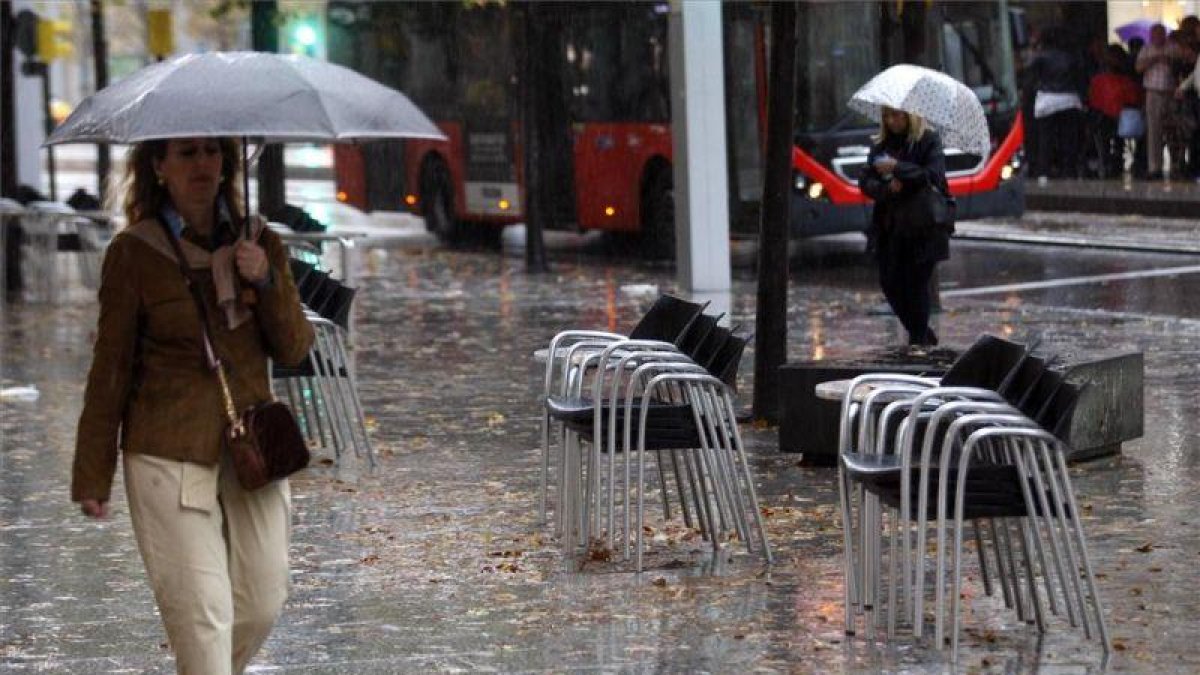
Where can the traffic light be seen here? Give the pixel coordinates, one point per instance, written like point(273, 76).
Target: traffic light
point(160, 38)
point(304, 37)
point(54, 40)
point(27, 32)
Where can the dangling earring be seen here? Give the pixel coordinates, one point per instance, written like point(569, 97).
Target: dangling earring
point(222, 180)
point(161, 181)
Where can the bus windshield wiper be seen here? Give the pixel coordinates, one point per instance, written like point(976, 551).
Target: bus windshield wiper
point(988, 76)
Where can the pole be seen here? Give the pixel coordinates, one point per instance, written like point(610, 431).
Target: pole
point(8, 153)
point(533, 83)
point(770, 341)
point(264, 37)
point(8, 111)
point(43, 71)
point(100, 56)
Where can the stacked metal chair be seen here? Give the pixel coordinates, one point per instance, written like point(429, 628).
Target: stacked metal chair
point(51, 229)
point(323, 390)
point(678, 396)
point(987, 441)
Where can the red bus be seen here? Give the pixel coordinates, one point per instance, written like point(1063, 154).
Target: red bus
point(608, 137)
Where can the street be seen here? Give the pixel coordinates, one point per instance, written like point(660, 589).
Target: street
point(437, 561)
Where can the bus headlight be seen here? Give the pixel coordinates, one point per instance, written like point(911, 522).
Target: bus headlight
point(799, 181)
point(815, 191)
point(1006, 172)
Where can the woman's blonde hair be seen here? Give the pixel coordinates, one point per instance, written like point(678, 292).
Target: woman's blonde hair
point(916, 128)
point(139, 196)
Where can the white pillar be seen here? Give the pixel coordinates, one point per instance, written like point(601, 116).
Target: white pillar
point(698, 136)
point(27, 107)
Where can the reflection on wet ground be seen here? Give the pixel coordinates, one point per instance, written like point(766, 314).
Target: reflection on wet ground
point(438, 561)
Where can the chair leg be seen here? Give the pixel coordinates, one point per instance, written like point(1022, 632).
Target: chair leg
point(1001, 570)
point(893, 550)
point(983, 564)
point(1035, 602)
point(1015, 576)
point(1053, 535)
point(543, 483)
point(683, 507)
point(850, 596)
point(1073, 509)
point(1063, 519)
point(662, 482)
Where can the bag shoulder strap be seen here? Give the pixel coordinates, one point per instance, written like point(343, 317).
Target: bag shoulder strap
point(211, 358)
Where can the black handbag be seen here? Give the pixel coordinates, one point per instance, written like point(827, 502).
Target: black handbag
point(264, 441)
point(925, 212)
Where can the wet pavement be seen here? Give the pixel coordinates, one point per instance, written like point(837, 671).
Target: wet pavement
point(437, 561)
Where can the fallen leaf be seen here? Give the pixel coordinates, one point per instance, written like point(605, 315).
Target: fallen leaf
point(1145, 548)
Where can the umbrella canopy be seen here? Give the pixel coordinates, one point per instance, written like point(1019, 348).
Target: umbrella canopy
point(1139, 29)
point(949, 106)
point(268, 97)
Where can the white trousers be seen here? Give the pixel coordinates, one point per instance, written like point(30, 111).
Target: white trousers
point(216, 556)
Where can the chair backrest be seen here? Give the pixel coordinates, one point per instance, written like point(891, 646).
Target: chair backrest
point(707, 351)
point(1019, 384)
point(310, 285)
point(300, 269)
point(321, 294)
point(336, 307)
point(728, 359)
point(1058, 409)
point(695, 336)
point(986, 363)
point(668, 319)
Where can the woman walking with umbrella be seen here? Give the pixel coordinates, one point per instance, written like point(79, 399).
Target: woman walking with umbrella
point(913, 218)
point(905, 163)
point(192, 257)
point(216, 554)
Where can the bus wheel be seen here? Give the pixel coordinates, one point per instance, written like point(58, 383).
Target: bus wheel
point(658, 217)
point(437, 203)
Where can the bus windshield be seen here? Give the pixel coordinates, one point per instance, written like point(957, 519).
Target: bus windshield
point(842, 45)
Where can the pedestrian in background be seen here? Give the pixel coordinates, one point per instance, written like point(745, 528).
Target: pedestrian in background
point(1188, 91)
point(906, 161)
point(1057, 108)
point(216, 555)
point(1109, 92)
point(1154, 63)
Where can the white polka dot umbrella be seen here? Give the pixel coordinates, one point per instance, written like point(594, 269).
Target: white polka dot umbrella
point(948, 105)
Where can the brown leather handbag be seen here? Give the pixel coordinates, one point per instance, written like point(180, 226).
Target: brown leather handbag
point(264, 441)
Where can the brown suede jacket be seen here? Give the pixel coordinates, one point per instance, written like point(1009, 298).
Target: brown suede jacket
point(149, 390)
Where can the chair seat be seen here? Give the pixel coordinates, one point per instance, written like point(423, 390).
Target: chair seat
point(304, 369)
point(669, 426)
point(577, 409)
point(882, 472)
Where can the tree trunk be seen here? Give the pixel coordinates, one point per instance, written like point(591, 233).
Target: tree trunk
point(770, 342)
point(532, 86)
point(264, 37)
point(100, 59)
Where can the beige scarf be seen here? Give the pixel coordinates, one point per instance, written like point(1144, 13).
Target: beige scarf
point(221, 262)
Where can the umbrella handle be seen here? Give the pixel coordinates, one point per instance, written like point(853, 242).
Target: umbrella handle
point(246, 187)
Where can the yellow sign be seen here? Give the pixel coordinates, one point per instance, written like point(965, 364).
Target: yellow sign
point(54, 40)
point(160, 38)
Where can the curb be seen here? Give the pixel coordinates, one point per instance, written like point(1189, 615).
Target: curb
point(1078, 242)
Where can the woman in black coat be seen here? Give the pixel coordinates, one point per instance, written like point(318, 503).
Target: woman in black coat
point(905, 162)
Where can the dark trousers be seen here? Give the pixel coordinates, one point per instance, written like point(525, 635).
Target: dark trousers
point(905, 282)
point(1110, 148)
point(1058, 144)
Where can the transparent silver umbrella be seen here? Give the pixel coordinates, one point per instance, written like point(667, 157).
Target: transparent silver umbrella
point(256, 96)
